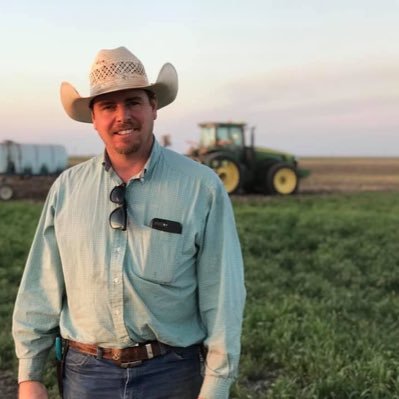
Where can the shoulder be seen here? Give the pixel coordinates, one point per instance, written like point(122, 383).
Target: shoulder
point(76, 173)
point(188, 168)
point(81, 168)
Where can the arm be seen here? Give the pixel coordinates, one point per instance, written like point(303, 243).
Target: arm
point(39, 300)
point(221, 296)
point(32, 390)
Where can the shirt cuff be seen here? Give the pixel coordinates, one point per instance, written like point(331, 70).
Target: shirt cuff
point(215, 387)
point(31, 369)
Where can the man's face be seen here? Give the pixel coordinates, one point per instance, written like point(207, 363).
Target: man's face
point(124, 121)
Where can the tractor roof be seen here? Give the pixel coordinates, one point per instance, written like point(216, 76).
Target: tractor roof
point(223, 124)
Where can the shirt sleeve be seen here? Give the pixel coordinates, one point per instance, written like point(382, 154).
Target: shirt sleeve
point(39, 299)
point(221, 296)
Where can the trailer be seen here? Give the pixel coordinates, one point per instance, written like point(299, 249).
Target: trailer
point(28, 161)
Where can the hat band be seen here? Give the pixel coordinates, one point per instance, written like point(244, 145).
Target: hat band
point(119, 83)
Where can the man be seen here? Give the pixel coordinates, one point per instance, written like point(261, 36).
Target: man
point(136, 261)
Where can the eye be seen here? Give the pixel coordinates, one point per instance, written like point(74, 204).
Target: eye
point(106, 106)
point(132, 103)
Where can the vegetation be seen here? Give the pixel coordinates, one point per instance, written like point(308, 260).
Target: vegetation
point(322, 309)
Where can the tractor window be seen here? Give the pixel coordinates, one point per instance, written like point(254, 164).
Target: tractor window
point(223, 136)
point(207, 137)
point(236, 136)
point(230, 135)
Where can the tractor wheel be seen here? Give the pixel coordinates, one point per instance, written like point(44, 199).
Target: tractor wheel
point(228, 170)
point(6, 192)
point(282, 179)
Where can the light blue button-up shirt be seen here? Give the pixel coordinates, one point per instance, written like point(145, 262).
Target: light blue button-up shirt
point(114, 288)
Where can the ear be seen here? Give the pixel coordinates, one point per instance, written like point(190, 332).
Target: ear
point(154, 106)
point(93, 119)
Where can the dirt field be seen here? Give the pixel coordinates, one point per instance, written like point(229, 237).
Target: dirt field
point(328, 175)
point(33, 188)
point(350, 174)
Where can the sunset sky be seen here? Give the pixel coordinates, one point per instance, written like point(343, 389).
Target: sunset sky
point(314, 77)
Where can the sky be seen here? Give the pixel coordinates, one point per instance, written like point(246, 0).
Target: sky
point(314, 77)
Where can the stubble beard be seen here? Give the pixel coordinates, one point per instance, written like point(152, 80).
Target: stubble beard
point(131, 149)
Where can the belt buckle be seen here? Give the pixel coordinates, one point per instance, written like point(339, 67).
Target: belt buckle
point(148, 348)
point(127, 365)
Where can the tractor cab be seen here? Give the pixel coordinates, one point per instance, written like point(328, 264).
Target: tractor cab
point(216, 135)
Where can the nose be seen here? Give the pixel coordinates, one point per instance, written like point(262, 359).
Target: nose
point(123, 113)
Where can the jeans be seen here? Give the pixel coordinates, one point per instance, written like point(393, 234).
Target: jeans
point(175, 375)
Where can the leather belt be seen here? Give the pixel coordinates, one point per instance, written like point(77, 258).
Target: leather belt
point(126, 357)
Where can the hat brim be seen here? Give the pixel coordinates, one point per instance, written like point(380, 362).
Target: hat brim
point(78, 108)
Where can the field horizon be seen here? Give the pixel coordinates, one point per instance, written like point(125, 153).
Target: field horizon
point(331, 174)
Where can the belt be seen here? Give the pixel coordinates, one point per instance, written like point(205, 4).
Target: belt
point(126, 357)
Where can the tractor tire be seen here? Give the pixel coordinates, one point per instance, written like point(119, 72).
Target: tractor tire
point(282, 179)
point(6, 192)
point(228, 170)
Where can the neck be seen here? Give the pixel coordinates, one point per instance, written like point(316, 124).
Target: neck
point(125, 170)
point(128, 165)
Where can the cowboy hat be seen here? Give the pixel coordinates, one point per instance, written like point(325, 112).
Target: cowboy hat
point(114, 70)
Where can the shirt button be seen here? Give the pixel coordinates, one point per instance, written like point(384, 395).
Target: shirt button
point(118, 250)
point(116, 280)
point(117, 312)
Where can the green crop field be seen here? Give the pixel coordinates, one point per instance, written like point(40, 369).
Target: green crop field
point(322, 309)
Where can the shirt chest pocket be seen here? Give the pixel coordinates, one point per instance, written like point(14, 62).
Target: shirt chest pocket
point(157, 254)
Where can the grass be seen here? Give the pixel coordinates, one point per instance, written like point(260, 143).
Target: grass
point(17, 224)
point(323, 307)
point(322, 311)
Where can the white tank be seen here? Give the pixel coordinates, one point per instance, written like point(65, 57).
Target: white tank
point(32, 159)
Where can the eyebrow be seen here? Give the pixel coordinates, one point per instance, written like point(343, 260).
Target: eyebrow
point(134, 98)
point(103, 102)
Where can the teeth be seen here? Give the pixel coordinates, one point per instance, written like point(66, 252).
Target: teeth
point(122, 132)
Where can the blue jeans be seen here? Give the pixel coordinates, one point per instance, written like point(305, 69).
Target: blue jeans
point(175, 375)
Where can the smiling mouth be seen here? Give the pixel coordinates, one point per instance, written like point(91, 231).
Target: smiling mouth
point(125, 132)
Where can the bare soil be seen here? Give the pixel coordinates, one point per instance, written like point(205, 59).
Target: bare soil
point(327, 175)
point(332, 175)
point(31, 188)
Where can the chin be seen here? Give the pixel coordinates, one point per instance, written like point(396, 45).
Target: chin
point(128, 150)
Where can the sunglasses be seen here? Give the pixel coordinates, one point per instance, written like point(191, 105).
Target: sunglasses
point(118, 217)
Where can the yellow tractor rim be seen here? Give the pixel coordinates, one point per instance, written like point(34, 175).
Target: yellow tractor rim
point(285, 181)
point(229, 174)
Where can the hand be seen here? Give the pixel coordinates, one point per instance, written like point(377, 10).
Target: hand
point(32, 390)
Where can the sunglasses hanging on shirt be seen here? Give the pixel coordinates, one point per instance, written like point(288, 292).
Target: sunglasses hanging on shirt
point(118, 217)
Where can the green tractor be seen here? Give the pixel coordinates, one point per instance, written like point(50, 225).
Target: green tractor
point(245, 168)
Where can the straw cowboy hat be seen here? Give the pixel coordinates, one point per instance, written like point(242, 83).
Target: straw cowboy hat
point(114, 70)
